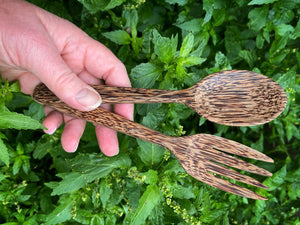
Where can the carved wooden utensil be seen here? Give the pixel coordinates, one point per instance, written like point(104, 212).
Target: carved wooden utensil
point(201, 155)
point(234, 97)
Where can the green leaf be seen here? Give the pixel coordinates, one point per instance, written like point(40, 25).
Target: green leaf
point(18, 121)
point(247, 56)
point(292, 131)
point(97, 220)
point(208, 6)
point(187, 45)
point(4, 156)
point(165, 48)
point(212, 215)
point(149, 153)
point(17, 165)
point(70, 182)
point(100, 5)
point(144, 75)
point(87, 168)
point(277, 179)
point(258, 18)
point(120, 37)
point(193, 61)
point(284, 29)
point(261, 2)
point(147, 202)
point(222, 62)
point(105, 192)
point(151, 177)
point(194, 25)
point(179, 2)
point(181, 192)
point(61, 213)
point(296, 33)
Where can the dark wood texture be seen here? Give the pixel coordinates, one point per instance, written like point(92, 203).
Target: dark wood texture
point(201, 155)
point(234, 97)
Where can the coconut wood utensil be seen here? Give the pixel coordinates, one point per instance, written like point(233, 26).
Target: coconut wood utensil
point(234, 97)
point(201, 155)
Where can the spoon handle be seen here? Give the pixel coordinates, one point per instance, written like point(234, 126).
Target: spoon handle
point(104, 118)
point(115, 95)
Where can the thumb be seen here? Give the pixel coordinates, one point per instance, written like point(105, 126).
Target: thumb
point(51, 69)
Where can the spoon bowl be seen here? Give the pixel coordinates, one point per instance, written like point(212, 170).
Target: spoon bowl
point(237, 98)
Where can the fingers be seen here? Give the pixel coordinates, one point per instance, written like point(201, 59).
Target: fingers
point(59, 78)
point(108, 140)
point(73, 130)
point(112, 70)
point(52, 121)
point(72, 133)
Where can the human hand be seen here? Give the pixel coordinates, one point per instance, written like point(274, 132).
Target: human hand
point(37, 46)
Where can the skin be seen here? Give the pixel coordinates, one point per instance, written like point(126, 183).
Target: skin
point(37, 46)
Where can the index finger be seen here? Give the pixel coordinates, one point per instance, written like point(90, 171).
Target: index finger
point(103, 64)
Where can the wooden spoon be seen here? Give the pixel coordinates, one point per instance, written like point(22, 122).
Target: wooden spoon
point(234, 98)
point(201, 155)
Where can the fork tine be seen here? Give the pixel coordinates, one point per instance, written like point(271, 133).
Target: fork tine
point(233, 147)
point(231, 161)
point(225, 185)
point(198, 166)
point(230, 173)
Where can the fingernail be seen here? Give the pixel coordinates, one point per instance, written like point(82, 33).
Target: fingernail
point(89, 98)
point(49, 131)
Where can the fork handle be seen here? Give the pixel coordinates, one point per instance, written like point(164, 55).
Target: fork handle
point(104, 118)
point(114, 95)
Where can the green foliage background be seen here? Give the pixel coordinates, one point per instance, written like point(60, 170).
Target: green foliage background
point(169, 44)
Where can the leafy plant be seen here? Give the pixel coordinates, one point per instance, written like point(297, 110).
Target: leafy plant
point(168, 44)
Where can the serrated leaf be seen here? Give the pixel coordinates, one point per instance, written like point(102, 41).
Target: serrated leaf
point(18, 121)
point(120, 37)
point(187, 45)
point(105, 192)
point(296, 33)
point(194, 25)
point(212, 215)
point(147, 202)
point(179, 2)
point(208, 7)
point(247, 56)
point(100, 5)
point(151, 177)
point(87, 168)
point(4, 156)
point(96, 220)
point(287, 80)
point(17, 165)
point(181, 192)
point(43, 146)
point(258, 17)
point(284, 29)
point(149, 153)
point(61, 213)
point(277, 179)
point(222, 62)
point(144, 75)
point(70, 182)
point(165, 48)
point(261, 2)
point(193, 60)
point(292, 131)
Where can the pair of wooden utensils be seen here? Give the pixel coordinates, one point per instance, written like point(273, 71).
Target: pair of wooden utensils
point(234, 98)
